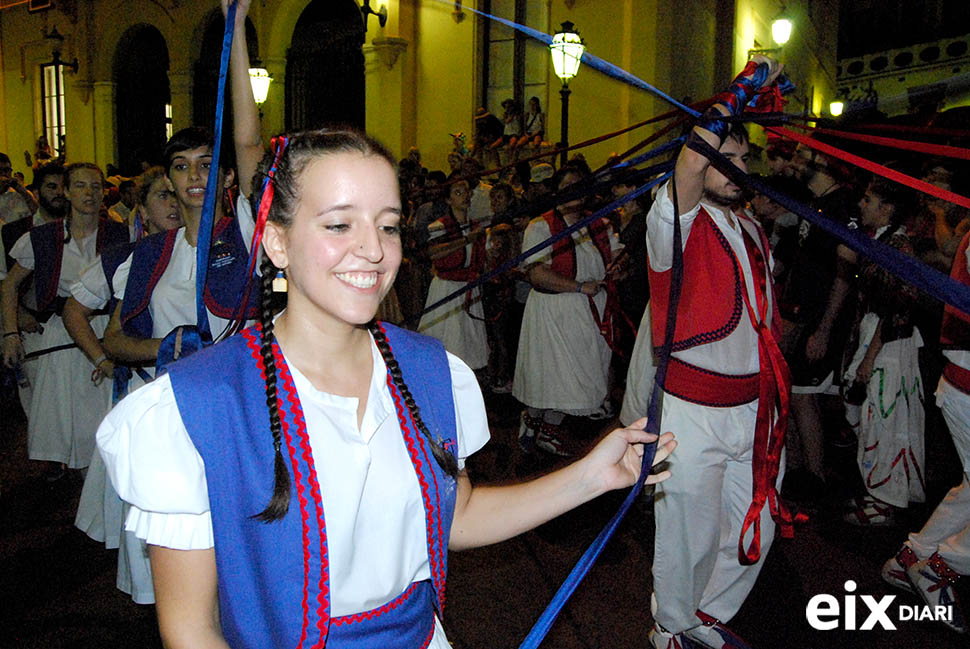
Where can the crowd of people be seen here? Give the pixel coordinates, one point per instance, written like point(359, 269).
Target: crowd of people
point(342, 366)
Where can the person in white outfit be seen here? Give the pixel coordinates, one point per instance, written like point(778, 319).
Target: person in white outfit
point(933, 559)
point(726, 386)
point(562, 365)
point(885, 369)
point(354, 432)
point(458, 248)
point(62, 423)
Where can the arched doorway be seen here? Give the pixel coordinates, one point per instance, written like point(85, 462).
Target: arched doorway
point(205, 81)
point(141, 96)
point(325, 67)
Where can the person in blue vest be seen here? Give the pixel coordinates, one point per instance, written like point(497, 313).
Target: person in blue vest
point(100, 513)
point(61, 425)
point(304, 481)
point(156, 286)
point(157, 210)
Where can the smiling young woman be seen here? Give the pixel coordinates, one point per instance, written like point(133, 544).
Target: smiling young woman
point(335, 520)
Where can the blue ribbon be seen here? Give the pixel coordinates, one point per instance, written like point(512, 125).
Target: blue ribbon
point(926, 278)
point(512, 263)
point(212, 190)
point(591, 60)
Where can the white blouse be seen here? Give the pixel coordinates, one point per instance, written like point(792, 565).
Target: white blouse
point(374, 510)
point(173, 300)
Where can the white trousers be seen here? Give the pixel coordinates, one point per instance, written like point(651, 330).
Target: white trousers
point(699, 512)
point(948, 529)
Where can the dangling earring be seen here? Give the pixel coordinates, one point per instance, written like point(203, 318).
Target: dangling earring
point(279, 282)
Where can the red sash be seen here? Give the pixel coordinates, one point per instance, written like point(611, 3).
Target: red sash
point(564, 250)
point(769, 432)
point(452, 266)
point(564, 264)
point(957, 376)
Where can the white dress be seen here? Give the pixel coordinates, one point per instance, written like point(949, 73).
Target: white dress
point(101, 512)
point(375, 530)
point(462, 331)
point(563, 361)
point(61, 425)
point(891, 453)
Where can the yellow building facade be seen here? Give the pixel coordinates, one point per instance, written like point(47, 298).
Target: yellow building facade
point(423, 70)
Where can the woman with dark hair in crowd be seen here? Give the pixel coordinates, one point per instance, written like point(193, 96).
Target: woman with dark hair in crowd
point(886, 397)
point(458, 254)
point(67, 406)
point(305, 479)
point(563, 360)
point(100, 513)
point(535, 124)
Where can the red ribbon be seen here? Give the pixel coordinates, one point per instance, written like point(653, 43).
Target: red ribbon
point(607, 324)
point(868, 165)
point(279, 146)
point(942, 150)
point(769, 432)
point(924, 130)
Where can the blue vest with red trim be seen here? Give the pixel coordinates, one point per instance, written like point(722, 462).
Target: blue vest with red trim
point(110, 260)
point(227, 282)
point(47, 241)
point(273, 577)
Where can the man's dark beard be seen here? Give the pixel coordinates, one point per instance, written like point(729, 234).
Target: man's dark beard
point(53, 210)
point(720, 199)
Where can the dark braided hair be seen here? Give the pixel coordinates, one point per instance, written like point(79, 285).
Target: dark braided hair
point(445, 460)
point(280, 502)
point(300, 150)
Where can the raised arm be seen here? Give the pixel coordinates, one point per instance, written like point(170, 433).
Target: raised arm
point(245, 115)
point(691, 166)
point(486, 515)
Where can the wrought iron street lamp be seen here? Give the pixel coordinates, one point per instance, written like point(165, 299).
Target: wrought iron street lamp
point(259, 79)
point(567, 52)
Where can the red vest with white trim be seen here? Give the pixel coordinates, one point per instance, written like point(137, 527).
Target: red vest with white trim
point(711, 302)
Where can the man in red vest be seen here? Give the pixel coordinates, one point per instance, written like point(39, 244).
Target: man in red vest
point(726, 385)
point(933, 559)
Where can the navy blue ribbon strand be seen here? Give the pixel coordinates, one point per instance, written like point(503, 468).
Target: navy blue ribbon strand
point(212, 189)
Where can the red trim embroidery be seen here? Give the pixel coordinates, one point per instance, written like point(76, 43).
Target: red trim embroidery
point(323, 599)
point(157, 273)
point(254, 346)
point(340, 620)
point(409, 436)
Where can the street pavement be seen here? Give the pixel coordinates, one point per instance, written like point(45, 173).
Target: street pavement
point(57, 585)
